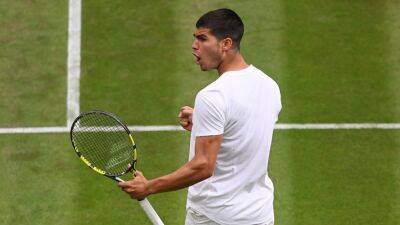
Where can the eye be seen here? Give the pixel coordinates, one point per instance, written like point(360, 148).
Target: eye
point(200, 37)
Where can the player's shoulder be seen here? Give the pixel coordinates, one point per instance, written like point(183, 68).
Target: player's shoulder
point(216, 87)
point(262, 74)
point(266, 78)
point(212, 93)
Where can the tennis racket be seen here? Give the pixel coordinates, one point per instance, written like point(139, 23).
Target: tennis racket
point(105, 144)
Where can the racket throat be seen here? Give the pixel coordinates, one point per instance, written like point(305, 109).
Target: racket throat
point(115, 178)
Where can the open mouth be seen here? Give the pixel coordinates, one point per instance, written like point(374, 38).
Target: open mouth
point(197, 58)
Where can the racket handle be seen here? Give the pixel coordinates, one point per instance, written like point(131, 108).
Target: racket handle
point(151, 213)
point(147, 208)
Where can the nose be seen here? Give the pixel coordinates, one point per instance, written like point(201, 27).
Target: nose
point(195, 45)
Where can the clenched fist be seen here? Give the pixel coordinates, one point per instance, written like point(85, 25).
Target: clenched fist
point(185, 117)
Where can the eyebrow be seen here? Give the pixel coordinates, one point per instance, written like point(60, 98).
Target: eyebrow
point(200, 36)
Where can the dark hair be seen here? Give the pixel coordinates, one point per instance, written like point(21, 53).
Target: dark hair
point(223, 23)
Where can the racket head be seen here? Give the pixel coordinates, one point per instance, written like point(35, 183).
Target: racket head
point(104, 143)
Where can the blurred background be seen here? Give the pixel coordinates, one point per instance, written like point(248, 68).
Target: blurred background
point(335, 62)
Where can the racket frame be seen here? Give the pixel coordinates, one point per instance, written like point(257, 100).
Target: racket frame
point(131, 165)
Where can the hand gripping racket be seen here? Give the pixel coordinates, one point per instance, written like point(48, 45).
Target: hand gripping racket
point(104, 143)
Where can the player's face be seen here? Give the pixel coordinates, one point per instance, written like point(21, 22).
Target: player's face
point(206, 48)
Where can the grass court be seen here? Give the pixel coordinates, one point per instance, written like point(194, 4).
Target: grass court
point(335, 62)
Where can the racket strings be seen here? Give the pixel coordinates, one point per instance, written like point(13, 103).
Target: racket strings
point(105, 159)
point(112, 134)
point(103, 142)
point(94, 151)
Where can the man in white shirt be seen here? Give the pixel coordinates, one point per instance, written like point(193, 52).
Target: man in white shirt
point(231, 132)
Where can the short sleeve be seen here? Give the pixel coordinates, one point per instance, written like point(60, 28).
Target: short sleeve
point(209, 113)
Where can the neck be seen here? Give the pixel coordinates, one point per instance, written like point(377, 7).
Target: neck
point(232, 62)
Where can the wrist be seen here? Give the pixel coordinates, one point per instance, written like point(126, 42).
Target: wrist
point(151, 187)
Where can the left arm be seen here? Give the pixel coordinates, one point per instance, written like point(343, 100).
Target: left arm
point(199, 168)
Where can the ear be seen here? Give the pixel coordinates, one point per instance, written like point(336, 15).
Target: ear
point(226, 44)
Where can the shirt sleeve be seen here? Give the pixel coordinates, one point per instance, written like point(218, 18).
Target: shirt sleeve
point(209, 113)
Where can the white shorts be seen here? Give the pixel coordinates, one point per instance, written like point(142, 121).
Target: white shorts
point(196, 218)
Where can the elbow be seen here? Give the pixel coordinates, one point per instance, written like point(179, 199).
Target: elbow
point(205, 169)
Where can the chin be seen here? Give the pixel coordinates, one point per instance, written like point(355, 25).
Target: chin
point(204, 68)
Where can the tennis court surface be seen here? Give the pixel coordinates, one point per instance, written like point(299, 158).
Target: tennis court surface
point(336, 62)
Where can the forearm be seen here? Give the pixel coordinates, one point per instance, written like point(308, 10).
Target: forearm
point(192, 172)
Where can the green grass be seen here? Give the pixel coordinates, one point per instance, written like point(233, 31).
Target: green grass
point(336, 177)
point(43, 181)
point(339, 61)
point(37, 179)
point(319, 177)
point(335, 61)
point(33, 39)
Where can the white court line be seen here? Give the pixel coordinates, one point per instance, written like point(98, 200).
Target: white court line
point(336, 126)
point(74, 59)
point(282, 126)
point(38, 130)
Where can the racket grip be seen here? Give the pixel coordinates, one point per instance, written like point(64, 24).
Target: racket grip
point(147, 208)
point(151, 213)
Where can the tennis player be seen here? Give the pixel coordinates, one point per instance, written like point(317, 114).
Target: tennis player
point(231, 132)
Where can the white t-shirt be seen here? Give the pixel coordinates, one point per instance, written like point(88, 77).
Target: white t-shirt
point(243, 106)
